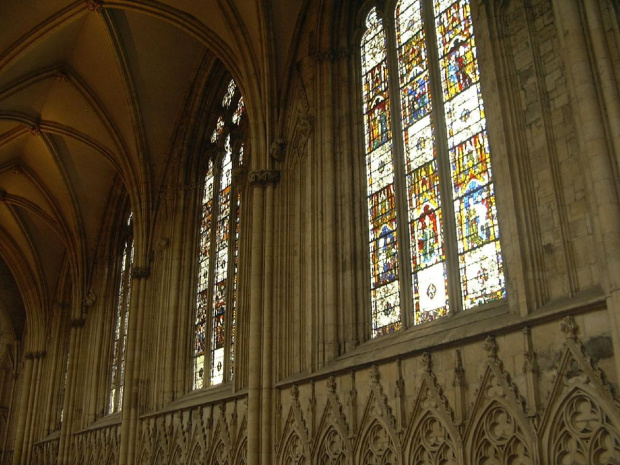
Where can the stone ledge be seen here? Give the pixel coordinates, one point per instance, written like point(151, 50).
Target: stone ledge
point(202, 397)
point(451, 331)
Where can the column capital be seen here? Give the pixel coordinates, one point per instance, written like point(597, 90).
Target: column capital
point(264, 177)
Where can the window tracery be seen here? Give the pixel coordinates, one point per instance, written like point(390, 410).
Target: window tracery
point(216, 302)
point(433, 230)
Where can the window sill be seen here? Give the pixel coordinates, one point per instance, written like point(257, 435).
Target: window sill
point(113, 419)
point(451, 331)
point(207, 396)
point(53, 436)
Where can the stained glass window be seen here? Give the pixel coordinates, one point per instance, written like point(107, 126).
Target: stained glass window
point(63, 383)
point(121, 320)
point(216, 303)
point(436, 177)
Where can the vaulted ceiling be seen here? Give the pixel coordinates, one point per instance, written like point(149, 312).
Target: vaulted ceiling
point(90, 95)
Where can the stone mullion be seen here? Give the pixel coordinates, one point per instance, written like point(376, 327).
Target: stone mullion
point(595, 154)
point(256, 310)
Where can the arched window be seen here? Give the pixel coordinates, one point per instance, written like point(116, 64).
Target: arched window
point(433, 231)
point(216, 299)
point(117, 371)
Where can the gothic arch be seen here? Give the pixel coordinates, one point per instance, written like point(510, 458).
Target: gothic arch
point(580, 422)
point(498, 437)
point(196, 456)
point(376, 446)
point(160, 457)
point(241, 455)
point(581, 429)
point(332, 448)
point(220, 454)
point(332, 444)
point(431, 436)
point(177, 456)
point(294, 451)
point(431, 441)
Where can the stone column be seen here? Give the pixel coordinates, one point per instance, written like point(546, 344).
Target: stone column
point(258, 180)
point(23, 409)
point(66, 428)
point(34, 422)
point(271, 178)
point(131, 388)
point(176, 285)
point(595, 153)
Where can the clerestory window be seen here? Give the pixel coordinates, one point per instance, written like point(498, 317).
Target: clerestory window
point(121, 320)
point(433, 230)
point(216, 298)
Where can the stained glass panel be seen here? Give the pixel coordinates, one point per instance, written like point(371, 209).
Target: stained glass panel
point(219, 128)
point(204, 263)
point(214, 350)
point(236, 117)
point(457, 48)
point(230, 92)
point(383, 239)
point(480, 259)
point(220, 288)
point(421, 170)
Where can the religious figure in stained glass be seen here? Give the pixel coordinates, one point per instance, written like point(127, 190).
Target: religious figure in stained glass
point(463, 157)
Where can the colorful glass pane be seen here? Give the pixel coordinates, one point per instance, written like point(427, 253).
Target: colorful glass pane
point(383, 238)
point(236, 117)
point(421, 171)
point(219, 128)
point(457, 48)
point(230, 92)
point(480, 259)
point(214, 350)
point(220, 288)
point(204, 263)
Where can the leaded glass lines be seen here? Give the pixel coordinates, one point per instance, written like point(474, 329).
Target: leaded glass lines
point(383, 238)
point(214, 339)
point(425, 170)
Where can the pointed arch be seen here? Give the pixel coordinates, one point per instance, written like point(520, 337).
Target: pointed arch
point(376, 445)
